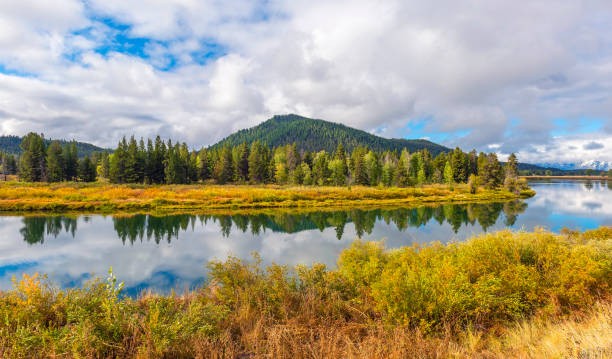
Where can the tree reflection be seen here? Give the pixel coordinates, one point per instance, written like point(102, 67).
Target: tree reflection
point(141, 227)
point(35, 228)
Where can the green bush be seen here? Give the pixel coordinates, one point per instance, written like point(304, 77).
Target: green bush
point(482, 283)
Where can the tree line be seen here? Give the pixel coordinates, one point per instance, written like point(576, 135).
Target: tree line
point(160, 162)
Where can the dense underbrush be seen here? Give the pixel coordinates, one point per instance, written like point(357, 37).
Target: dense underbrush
point(506, 294)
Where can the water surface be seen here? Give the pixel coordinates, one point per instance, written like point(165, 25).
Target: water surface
point(171, 252)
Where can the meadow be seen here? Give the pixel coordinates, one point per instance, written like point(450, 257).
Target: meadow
point(102, 197)
point(500, 295)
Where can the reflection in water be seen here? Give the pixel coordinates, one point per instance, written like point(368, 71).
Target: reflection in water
point(165, 228)
point(35, 228)
point(171, 252)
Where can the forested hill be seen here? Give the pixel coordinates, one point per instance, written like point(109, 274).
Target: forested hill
point(316, 135)
point(10, 144)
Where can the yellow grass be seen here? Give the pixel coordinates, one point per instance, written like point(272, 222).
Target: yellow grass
point(101, 197)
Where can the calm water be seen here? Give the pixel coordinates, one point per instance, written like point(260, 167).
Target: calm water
point(171, 252)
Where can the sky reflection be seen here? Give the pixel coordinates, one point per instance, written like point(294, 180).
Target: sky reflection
point(163, 253)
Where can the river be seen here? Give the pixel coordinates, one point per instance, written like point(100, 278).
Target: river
point(171, 252)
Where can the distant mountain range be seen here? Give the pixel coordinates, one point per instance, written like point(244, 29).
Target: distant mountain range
point(10, 144)
point(590, 164)
point(315, 135)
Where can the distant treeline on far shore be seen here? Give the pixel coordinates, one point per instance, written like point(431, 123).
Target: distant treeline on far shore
point(159, 162)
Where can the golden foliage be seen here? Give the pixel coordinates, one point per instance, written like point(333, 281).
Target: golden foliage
point(501, 295)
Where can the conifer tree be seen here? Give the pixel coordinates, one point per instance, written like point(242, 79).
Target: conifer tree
point(512, 166)
point(204, 166)
point(132, 164)
point(372, 166)
point(173, 167)
point(358, 169)
point(493, 172)
point(459, 164)
point(242, 163)
point(118, 163)
point(55, 163)
point(86, 170)
point(71, 161)
point(258, 163)
point(33, 163)
point(225, 169)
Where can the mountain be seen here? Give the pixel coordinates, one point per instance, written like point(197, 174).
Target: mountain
point(580, 165)
point(10, 144)
point(316, 135)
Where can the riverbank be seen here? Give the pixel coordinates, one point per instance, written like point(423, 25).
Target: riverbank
point(108, 198)
point(589, 178)
point(501, 295)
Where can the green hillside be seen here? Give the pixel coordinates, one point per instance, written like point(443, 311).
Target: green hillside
point(315, 135)
point(10, 144)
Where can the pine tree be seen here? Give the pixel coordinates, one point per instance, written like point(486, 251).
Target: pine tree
point(358, 169)
point(158, 157)
point(32, 166)
point(258, 163)
point(415, 165)
point(71, 159)
point(372, 166)
point(173, 167)
point(401, 171)
point(204, 166)
point(459, 164)
point(149, 163)
point(224, 170)
point(55, 163)
point(131, 174)
point(493, 172)
point(86, 170)
point(242, 163)
point(118, 163)
point(473, 162)
point(512, 166)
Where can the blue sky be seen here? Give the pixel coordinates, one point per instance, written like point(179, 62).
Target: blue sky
point(532, 78)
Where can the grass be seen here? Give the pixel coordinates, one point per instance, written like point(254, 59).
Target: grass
point(501, 295)
point(106, 198)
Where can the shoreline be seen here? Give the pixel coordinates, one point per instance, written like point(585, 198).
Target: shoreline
point(100, 198)
point(592, 178)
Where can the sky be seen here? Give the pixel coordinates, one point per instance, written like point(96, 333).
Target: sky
point(531, 77)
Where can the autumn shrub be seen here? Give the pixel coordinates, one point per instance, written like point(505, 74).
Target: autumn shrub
point(377, 296)
point(492, 278)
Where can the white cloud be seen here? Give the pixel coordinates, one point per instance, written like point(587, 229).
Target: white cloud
point(570, 149)
point(500, 69)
